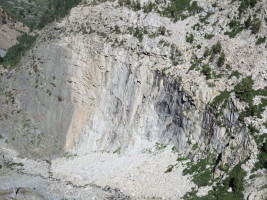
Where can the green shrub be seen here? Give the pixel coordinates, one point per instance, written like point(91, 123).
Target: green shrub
point(221, 99)
point(138, 34)
point(216, 48)
point(208, 36)
point(252, 129)
point(195, 64)
point(206, 70)
point(160, 146)
point(198, 46)
point(162, 30)
point(149, 7)
point(261, 40)
point(117, 29)
point(234, 73)
point(207, 53)
point(255, 26)
point(190, 38)
point(221, 60)
point(248, 22)
point(235, 27)
point(244, 91)
point(245, 4)
point(262, 157)
point(204, 19)
point(175, 55)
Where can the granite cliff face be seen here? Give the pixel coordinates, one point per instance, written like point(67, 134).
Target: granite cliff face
point(110, 79)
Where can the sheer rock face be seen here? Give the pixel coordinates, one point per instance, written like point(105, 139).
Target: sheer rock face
point(79, 90)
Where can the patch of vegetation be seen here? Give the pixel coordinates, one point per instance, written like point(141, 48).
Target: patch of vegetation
point(15, 52)
point(261, 40)
point(59, 98)
point(235, 180)
point(244, 91)
point(162, 30)
point(117, 151)
point(181, 9)
point(262, 157)
point(245, 4)
point(160, 146)
point(174, 150)
point(198, 46)
point(204, 19)
point(252, 129)
point(216, 48)
point(149, 7)
point(202, 174)
point(195, 64)
point(117, 29)
point(37, 13)
point(211, 84)
point(235, 27)
point(68, 155)
point(14, 164)
point(221, 99)
point(208, 36)
point(190, 38)
point(169, 168)
point(175, 55)
point(135, 5)
point(138, 34)
point(221, 60)
point(255, 26)
point(206, 70)
point(56, 10)
point(197, 27)
point(234, 73)
point(194, 147)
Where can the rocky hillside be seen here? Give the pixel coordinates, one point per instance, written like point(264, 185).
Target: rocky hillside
point(161, 100)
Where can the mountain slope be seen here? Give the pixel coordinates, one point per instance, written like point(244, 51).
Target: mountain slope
point(133, 79)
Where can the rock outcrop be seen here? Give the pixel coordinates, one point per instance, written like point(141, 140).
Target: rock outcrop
point(109, 79)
